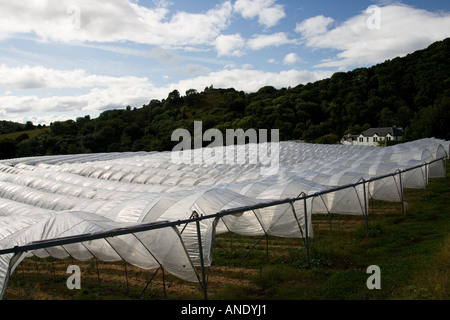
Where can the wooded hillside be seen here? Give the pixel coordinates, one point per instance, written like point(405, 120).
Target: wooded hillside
point(412, 92)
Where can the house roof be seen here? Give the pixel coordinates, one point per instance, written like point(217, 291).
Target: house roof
point(382, 132)
point(350, 136)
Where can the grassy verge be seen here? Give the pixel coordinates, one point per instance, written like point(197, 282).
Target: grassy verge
point(411, 250)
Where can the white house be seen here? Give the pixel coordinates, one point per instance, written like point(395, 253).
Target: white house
point(376, 136)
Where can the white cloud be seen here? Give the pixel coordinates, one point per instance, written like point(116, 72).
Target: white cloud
point(162, 3)
point(267, 11)
point(27, 77)
point(291, 59)
point(98, 92)
point(248, 80)
point(112, 21)
point(314, 26)
point(229, 45)
point(118, 92)
point(261, 41)
point(92, 102)
point(164, 55)
point(402, 30)
point(232, 45)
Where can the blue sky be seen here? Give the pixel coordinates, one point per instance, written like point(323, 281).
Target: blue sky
point(60, 59)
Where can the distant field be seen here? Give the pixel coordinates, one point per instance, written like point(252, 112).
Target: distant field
point(30, 133)
point(411, 250)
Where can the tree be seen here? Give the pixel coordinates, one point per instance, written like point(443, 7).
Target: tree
point(442, 121)
point(22, 137)
point(191, 91)
point(174, 95)
point(29, 125)
point(8, 149)
point(60, 128)
point(387, 118)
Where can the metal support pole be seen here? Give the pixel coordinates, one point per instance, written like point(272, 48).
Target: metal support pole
point(401, 193)
point(98, 273)
point(231, 241)
point(371, 196)
point(307, 233)
point(37, 269)
point(148, 282)
point(54, 271)
point(164, 282)
point(445, 168)
point(265, 232)
point(126, 275)
point(200, 250)
point(253, 247)
point(328, 211)
point(366, 209)
point(296, 219)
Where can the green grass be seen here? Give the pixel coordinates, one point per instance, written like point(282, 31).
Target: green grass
point(30, 133)
point(412, 251)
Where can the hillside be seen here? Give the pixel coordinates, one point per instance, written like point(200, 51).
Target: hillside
point(412, 92)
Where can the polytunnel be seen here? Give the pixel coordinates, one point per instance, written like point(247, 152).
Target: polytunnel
point(438, 169)
point(160, 248)
point(183, 206)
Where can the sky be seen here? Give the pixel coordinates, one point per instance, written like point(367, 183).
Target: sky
point(63, 59)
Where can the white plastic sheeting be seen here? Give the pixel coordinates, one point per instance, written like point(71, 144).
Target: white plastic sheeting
point(58, 196)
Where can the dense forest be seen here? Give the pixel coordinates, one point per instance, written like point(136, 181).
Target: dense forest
point(412, 92)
